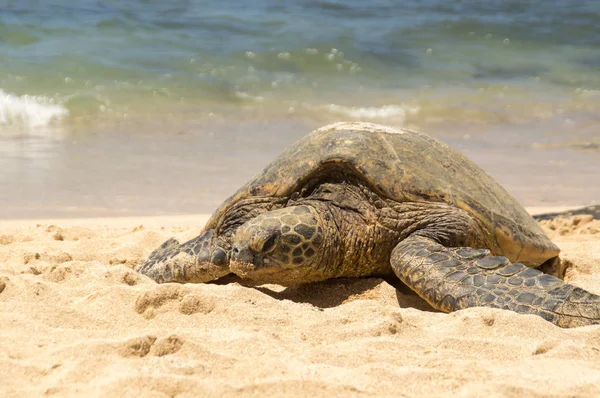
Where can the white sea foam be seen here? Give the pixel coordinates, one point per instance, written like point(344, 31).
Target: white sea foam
point(395, 112)
point(29, 110)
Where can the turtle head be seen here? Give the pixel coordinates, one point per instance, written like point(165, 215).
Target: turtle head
point(281, 246)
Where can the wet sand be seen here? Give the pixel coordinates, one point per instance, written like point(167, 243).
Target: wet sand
point(187, 168)
point(78, 321)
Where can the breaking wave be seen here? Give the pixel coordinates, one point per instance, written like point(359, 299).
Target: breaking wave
point(29, 110)
point(385, 112)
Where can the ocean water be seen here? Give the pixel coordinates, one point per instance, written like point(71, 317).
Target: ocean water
point(139, 106)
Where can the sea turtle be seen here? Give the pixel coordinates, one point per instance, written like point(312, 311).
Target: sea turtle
point(359, 199)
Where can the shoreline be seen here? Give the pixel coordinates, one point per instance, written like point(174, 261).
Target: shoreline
point(191, 220)
point(192, 169)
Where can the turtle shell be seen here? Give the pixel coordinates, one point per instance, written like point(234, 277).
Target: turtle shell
point(404, 165)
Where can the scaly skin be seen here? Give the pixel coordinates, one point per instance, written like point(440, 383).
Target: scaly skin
point(198, 260)
point(285, 246)
point(451, 279)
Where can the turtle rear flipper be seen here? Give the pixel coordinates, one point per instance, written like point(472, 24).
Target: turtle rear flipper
point(593, 210)
point(451, 279)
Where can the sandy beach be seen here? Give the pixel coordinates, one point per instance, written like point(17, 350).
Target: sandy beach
point(78, 321)
point(124, 123)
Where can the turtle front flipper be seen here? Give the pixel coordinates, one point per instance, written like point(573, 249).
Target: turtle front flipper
point(198, 260)
point(451, 279)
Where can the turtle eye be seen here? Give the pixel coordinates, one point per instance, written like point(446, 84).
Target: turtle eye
point(269, 244)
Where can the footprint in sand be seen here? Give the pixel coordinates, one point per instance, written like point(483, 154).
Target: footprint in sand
point(142, 346)
point(167, 346)
point(166, 298)
point(136, 347)
point(193, 303)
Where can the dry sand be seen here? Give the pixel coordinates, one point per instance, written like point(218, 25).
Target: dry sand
point(77, 321)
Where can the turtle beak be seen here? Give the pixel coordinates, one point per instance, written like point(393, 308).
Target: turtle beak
point(245, 262)
point(242, 254)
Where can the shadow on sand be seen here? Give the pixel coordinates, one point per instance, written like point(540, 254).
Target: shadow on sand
point(334, 292)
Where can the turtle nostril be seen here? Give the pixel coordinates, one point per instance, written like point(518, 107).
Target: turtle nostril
point(242, 254)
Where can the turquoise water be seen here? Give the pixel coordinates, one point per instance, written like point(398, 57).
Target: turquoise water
point(421, 62)
point(228, 84)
